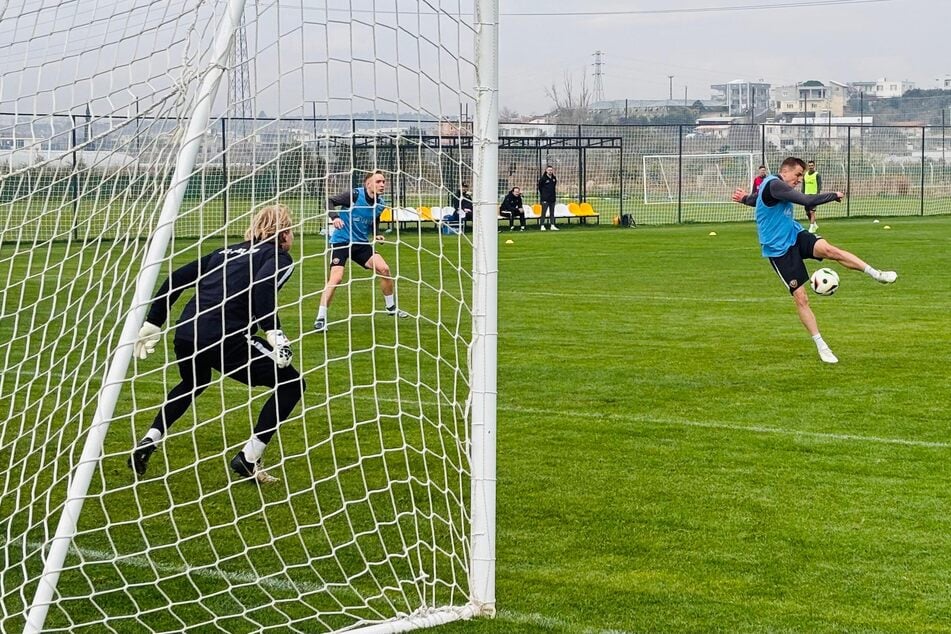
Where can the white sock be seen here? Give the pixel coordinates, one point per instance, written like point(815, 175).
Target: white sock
point(322, 313)
point(390, 301)
point(154, 434)
point(872, 272)
point(820, 344)
point(253, 449)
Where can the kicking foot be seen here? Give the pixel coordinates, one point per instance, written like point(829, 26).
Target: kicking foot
point(887, 277)
point(395, 312)
point(320, 325)
point(251, 470)
point(139, 460)
point(826, 355)
point(813, 228)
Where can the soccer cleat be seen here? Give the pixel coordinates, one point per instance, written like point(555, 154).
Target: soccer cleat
point(825, 353)
point(813, 228)
point(395, 312)
point(543, 227)
point(554, 228)
point(320, 325)
point(251, 470)
point(139, 460)
point(887, 277)
point(523, 228)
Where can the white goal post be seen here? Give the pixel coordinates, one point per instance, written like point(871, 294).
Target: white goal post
point(137, 140)
point(696, 179)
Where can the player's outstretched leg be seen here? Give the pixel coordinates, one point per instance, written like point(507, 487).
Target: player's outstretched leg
point(381, 268)
point(335, 277)
point(824, 249)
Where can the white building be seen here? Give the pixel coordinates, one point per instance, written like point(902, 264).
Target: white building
point(943, 83)
point(810, 97)
point(800, 132)
point(739, 96)
point(885, 87)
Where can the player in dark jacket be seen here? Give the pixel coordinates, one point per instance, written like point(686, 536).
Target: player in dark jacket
point(546, 196)
point(511, 207)
point(235, 293)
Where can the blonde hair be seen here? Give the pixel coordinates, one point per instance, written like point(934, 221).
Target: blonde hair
point(269, 222)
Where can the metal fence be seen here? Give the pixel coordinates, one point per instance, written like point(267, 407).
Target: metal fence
point(78, 175)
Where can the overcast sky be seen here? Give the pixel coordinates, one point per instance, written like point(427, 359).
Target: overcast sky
point(831, 40)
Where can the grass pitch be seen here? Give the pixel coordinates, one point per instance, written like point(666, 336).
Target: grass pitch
point(672, 455)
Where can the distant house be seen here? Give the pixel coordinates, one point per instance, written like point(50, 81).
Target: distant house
point(801, 132)
point(739, 96)
point(884, 87)
point(716, 126)
point(648, 107)
point(810, 97)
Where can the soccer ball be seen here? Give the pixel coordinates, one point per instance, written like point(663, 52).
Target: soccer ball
point(825, 281)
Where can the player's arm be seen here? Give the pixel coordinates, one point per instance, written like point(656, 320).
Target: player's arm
point(267, 279)
point(168, 293)
point(344, 200)
point(818, 182)
point(780, 191)
point(744, 197)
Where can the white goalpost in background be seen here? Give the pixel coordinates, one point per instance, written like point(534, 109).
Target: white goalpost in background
point(698, 179)
point(124, 155)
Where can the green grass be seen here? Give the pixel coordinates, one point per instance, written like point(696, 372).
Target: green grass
point(672, 456)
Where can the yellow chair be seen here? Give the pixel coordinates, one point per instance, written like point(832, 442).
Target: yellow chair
point(426, 213)
point(537, 209)
point(585, 209)
point(574, 209)
point(387, 215)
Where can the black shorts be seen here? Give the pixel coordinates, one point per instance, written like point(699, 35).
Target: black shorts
point(359, 253)
point(244, 359)
point(791, 266)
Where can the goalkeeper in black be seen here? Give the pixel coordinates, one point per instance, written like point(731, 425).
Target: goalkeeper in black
point(235, 295)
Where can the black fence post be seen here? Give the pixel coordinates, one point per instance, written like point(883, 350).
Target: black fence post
point(621, 182)
point(680, 171)
point(923, 132)
point(848, 172)
point(74, 177)
point(225, 175)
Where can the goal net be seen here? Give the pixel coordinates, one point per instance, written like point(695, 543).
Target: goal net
point(137, 137)
point(695, 178)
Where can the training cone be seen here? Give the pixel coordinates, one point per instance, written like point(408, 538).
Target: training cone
point(510, 242)
point(712, 233)
point(875, 222)
point(886, 227)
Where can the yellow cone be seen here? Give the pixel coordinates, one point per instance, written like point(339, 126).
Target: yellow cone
point(510, 242)
point(712, 233)
point(886, 227)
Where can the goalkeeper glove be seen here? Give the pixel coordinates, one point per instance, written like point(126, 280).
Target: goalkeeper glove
point(149, 336)
point(281, 346)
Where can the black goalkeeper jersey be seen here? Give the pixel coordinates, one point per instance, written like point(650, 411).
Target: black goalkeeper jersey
point(235, 293)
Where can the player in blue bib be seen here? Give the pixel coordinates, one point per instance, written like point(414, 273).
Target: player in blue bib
point(354, 233)
point(786, 244)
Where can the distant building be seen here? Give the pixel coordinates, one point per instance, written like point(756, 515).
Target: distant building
point(810, 97)
point(535, 129)
point(943, 83)
point(801, 132)
point(717, 127)
point(885, 87)
point(739, 96)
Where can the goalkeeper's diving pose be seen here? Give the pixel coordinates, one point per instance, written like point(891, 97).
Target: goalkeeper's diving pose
point(235, 294)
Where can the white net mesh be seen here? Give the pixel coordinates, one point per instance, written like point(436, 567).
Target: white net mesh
point(370, 520)
point(695, 178)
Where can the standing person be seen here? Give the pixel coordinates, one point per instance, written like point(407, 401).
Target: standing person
point(758, 181)
point(786, 244)
point(355, 231)
point(461, 203)
point(546, 195)
point(811, 185)
point(235, 290)
point(511, 207)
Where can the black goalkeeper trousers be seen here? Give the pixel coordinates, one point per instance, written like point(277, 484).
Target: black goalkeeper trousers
point(239, 359)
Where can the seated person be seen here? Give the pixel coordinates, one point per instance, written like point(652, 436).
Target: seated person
point(461, 203)
point(512, 207)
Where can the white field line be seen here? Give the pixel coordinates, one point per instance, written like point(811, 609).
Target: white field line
point(231, 386)
point(281, 583)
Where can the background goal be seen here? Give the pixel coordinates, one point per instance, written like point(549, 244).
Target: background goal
point(695, 178)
